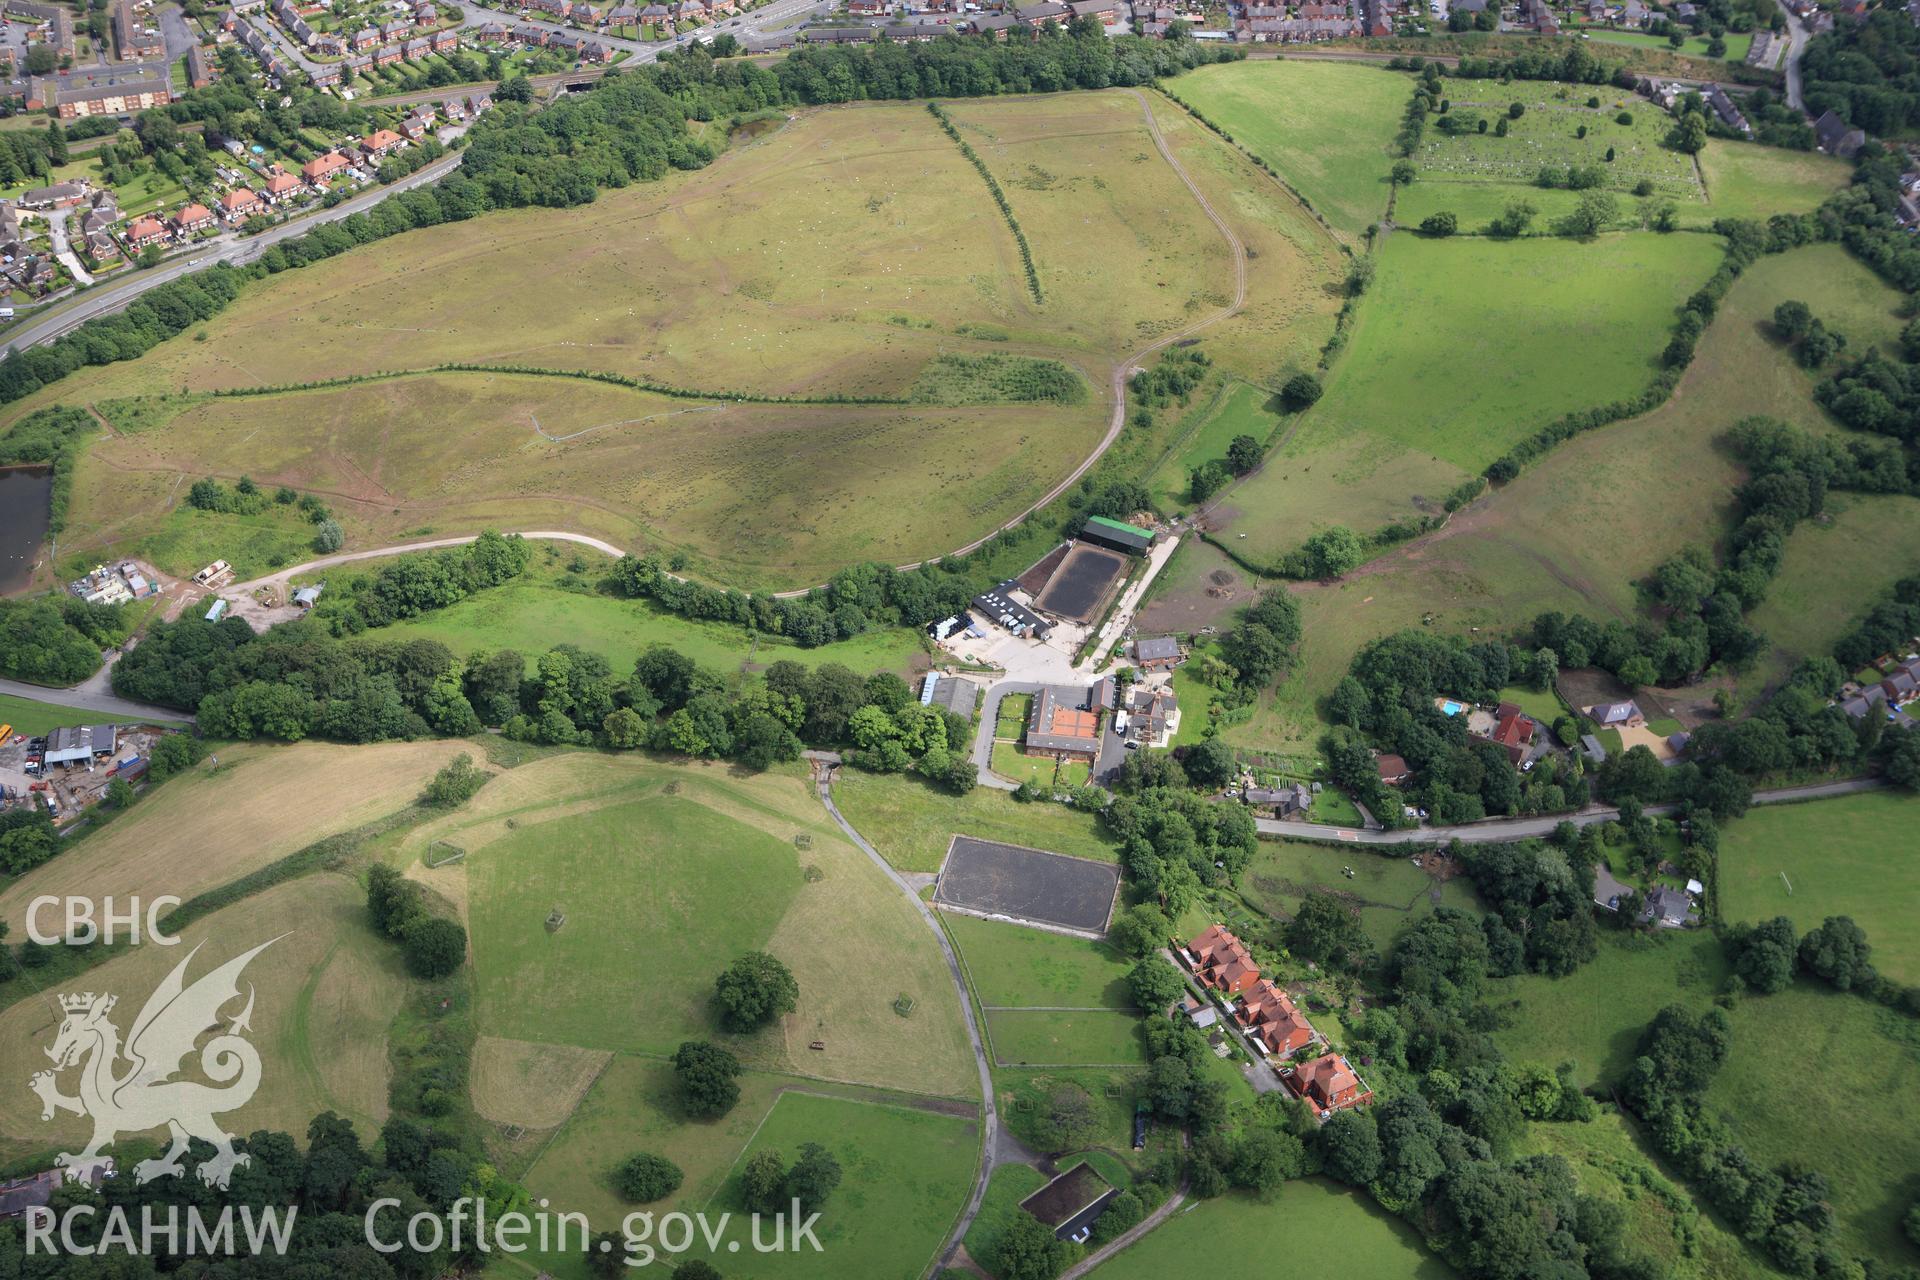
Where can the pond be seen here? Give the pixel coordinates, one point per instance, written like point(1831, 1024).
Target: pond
point(26, 504)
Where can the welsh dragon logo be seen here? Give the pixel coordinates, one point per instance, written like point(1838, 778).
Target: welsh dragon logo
point(143, 1093)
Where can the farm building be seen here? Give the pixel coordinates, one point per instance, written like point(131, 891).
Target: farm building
point(1065, 722)
point(80, 745)
point(1158, 653)
point(1000, 605)
point(1116, 536)
point(957, 696)
point(1072, 1202)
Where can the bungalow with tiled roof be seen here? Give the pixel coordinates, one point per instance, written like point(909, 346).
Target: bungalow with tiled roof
point(1329, 1084)
point(1393, 769)
point(1513, 732)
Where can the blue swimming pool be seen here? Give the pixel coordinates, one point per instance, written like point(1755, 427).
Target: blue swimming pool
point(1452, 708)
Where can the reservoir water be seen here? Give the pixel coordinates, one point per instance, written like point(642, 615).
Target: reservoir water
point(26, 504)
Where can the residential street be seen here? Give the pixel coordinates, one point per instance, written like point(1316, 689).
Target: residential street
point(1796, 48)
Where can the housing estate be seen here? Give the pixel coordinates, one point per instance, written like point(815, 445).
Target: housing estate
point(1221, 961)
point(1329, 1084)
point(102, 91)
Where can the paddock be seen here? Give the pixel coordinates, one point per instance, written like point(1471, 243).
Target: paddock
point(1028, 886)
point(1080, 588)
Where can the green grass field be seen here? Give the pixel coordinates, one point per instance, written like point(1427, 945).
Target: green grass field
point(327, 991)
point(646, 885)
point(1845, 857)
point(1738, 43)
point(665, 873)
point(1237, 409)
point(1012, 965)
point(906, 1177)
point(1593, 1017)
point(905, 1171)
point(822, 279)
point(1389, 893)
point(1860, 1127)
point(1663, 1218)
point(1324, 126)
point(911, 823)
point(1534, 545)
point(1319, 1228)
point(533, 617)
point(1058, 1038)
point(1832, 572)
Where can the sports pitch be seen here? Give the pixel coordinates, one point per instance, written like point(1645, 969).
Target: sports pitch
point(987, 878)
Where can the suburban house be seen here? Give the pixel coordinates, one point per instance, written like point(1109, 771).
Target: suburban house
point(418, 125)
point(492, 33)
point(1221, 961)
point(192, 218)
point(324, 167)
point(1065, 722)
point(996, 24)
point(1617, 715)
point(239, 205)
point(365, 38)
point(381, 142)
point(1160, 653)
point(393, 30)
point(1669, 908)
point(1269, 1016)
point(1114, 535)
point(1329, 1084)
point(445, 41)
point(1150, 717)
point(1832, 135)
point(1393, 769)
point(199, 74)
point(35, 1191)
point(1513, 732)
point(282, 186)
point(388, 55)
point(1729, 114)
point(145, 231)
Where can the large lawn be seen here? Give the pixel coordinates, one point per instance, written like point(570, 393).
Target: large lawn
point(1593, 1017)
point(1389, 893)
point(1013, 965)
point(1851, 856)
point(1319, 1228)
point(1868, 1152)
point(1325, 127)
point(1058, 1038)
point(1236, 409)
point(906, 1178)
point(911, 822)
point(533, 617)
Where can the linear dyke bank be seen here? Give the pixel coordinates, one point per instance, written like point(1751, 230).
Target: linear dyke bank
point(999, 198)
